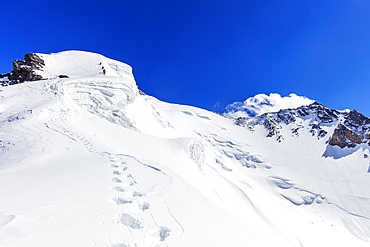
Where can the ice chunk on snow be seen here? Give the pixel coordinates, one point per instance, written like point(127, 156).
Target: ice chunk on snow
point(105, 98)
point(164, 232)
point(130, 221)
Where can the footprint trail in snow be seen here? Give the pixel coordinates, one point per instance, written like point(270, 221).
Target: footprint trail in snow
point(134, 209)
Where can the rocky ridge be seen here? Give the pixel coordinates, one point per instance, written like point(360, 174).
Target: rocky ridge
point(352, 128)
point(24, 70)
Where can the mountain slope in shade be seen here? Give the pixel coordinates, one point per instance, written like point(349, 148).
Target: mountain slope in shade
point(88, 161)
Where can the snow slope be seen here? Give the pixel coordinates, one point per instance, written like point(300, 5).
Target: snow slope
point(88, 161)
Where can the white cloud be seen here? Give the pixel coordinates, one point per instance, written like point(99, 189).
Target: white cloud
point(262, 103)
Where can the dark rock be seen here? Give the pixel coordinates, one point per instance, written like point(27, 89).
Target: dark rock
point(344, 137)
point(322, 133)
point(367, 136)
point(359, 123)
point(34, 61)
point(63, 76)
point(296, 129)
point(23, 74)
point(18, 64)
point(25, 70)
point(4, 75)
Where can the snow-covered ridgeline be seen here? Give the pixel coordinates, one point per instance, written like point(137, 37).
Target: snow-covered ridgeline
point(82, 64)
point(174, 176)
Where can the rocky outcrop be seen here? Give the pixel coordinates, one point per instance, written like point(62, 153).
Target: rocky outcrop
point(4, 79)
point(344, 137)
point(34, 61)
point(24, 70)
point(141, 92)
point(358, 123)
point(354, 130)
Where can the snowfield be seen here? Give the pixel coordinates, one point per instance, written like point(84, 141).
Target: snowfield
point(88, 161)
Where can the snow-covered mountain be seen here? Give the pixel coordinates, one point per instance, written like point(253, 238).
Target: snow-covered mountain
point(351, 128)
point(88, 160)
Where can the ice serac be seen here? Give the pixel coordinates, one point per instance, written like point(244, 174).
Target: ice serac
point(87, 160)
point(104, 94)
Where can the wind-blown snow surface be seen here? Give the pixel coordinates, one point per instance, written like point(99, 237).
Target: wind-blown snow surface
point(87, 161)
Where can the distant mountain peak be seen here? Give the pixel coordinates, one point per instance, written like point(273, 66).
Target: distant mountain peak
point(351, 127)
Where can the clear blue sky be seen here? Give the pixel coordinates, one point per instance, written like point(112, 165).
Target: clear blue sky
point(209, 53)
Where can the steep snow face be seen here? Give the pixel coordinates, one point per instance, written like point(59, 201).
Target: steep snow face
point(263, 103)
point(159, 174)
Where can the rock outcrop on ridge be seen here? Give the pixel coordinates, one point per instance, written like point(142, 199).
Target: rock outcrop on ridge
point(24, 70)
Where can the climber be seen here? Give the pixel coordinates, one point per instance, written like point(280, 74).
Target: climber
point(104, 70)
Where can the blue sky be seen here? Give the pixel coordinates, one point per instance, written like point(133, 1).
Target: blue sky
point(209, 53)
